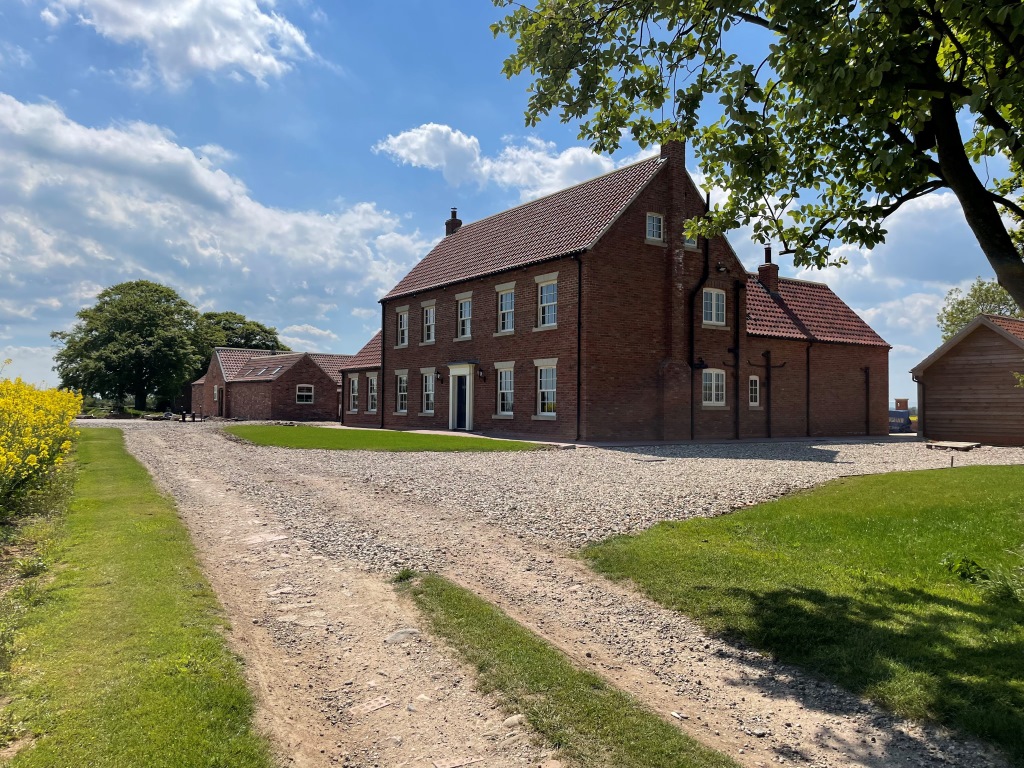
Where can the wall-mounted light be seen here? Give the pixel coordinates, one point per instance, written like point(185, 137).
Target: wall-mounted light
point(480, 374)
point(721, 267)
point(438, 376)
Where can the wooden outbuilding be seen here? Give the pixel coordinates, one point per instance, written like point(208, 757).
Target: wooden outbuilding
point(967, 390)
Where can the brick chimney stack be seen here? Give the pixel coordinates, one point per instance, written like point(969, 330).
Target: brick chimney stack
point(452, 225)
point(768, 273)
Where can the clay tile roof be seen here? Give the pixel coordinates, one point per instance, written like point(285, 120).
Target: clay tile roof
point(366, 358)
point(1011, 325)
point(568, 221)
point(263, 367)
point(232, 360)
point(332, 365)
point(803, 310)
point(200, 380)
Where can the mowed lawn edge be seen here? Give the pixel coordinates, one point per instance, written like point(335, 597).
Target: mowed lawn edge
point(328, 438)
point(121, 658)
point(588, 720)
point(847, 580)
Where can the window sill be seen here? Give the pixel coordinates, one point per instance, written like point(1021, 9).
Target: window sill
point(716, 326)
point(370, 413)
point(353, 411)
point(401, 346)
point(546, 328)
point(504, 333)
point(463, 338)
point(691, 247)
point(426, 343)
point(756, 408)
point(501, 416)
point(425, 413)
point(400, 413)
point(544, 416)
point(707, 407)
point(652, 241)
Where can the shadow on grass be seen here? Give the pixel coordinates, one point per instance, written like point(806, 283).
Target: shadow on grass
point(922, 655)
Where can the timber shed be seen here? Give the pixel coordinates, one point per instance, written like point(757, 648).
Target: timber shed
point(966, 389)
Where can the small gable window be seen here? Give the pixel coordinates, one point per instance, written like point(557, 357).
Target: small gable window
point(714, 306)
point(656, 227)
point(304, 394)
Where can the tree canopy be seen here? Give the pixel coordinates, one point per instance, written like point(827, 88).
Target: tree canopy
point(137, 340)
point(983, 297)
point(847, 112)
point(142, 339)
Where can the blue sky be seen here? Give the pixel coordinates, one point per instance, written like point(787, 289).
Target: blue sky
point(291, 161)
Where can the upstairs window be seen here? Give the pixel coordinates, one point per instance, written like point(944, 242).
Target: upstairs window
point(689, 242)
point(428, 325)
point(465, 328)
point(714, 306)
point(506, 311)
point(547, 305)
point(656, 227)
point(402, 339)
point(304, 394)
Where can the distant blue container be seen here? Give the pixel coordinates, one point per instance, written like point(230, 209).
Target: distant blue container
point(899, 421)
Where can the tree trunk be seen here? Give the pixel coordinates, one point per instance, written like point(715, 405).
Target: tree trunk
point(140, 401)
point(979, 209)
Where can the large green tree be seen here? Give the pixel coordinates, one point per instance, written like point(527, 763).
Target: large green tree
point(230, 329)
point(137, 340)
point(837, 116)
point(982, 297)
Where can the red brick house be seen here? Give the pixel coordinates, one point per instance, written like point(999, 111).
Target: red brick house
point(966, 389)
point(587, 315)
point(360, 406)
point(262, 384)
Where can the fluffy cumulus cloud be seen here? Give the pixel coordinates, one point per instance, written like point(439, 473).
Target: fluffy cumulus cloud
point(533, 167)
point(183, 39)
point(84, 208)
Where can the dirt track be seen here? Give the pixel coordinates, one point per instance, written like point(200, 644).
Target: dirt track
point(299, 553)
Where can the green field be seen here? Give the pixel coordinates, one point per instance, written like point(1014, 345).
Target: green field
point(848, 581)
point(119, 654)
point(587, 719)
point(370, 439)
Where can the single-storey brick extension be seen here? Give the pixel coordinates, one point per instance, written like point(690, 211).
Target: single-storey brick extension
point(262, 384)
point(966, 389)
point(587, 315)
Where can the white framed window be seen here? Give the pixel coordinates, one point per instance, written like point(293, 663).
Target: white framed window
point(714, 306)
point(402, 337)
point(428, 324)
point(428, 392)
point(465, 314)
point(304, 393)
point(754, 391)
point(689, 242)
point(353, 392)
point(547, 381)
point(547, 302)
point(656, 227)
point(713, 389)
point(216, 393)
point(371, 394)
point(402, 393)
point(506, 391)
point(507, 311)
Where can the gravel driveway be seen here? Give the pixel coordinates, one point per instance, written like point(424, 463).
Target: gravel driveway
point(504, 525)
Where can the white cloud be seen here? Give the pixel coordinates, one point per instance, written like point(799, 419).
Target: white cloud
point(13, 56)
point(85, 208)
point(533, 167)
point(183, 39)
point(310, 330)
point(364, 313)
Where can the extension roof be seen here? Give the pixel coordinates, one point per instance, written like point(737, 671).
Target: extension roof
point(1009, 328)
point(805, 311)
point(332, 365)
point(267, 365)
point(231, 359)
point(366, 358)
point(566, 222)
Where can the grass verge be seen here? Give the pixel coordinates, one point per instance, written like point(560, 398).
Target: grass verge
point(848, 581)
point(119, 659)
point(576, 711)
point(370, 439)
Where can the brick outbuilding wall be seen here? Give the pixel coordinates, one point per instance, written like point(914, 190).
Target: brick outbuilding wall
point(361, 416)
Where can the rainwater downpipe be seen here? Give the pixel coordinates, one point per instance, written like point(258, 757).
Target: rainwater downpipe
point(381, 396)
point(579, 344)
point(736, 356)
point(808, 397)
point(867, 400)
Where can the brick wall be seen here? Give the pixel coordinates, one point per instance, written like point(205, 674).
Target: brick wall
point(250, 400)
point(483, 350)
point(325, 394)
point(361, 417)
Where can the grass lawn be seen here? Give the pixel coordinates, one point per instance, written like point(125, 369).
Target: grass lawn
point(119, 655)
point(370, 439)
point(847, 581)
point(575, 710)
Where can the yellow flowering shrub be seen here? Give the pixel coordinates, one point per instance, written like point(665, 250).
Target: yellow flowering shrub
point(36, 432)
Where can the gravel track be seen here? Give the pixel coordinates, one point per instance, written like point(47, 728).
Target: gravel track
point(503, 524)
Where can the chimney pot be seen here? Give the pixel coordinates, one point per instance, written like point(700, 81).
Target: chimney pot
point(767, 254)
point(452, 225)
